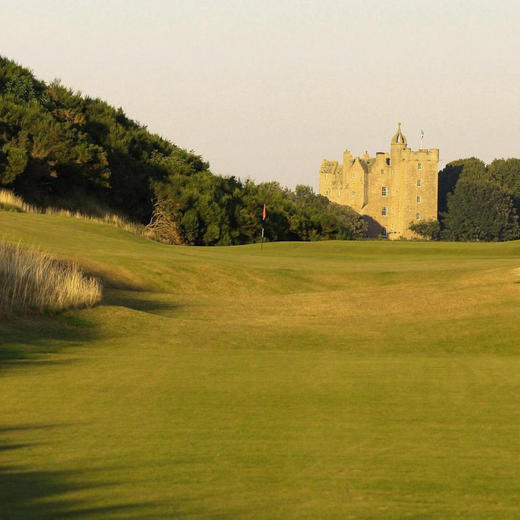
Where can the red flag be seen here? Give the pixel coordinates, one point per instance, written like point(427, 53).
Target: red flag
point(264, 213)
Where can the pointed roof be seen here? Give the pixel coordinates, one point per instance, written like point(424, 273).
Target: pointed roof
point(399, 137)
point(360, 163)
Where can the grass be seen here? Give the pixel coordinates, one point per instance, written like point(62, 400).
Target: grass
point(31, 280)
point(9, 201)
point(322, 380)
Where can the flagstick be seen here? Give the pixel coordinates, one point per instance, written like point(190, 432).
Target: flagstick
point(263, 221)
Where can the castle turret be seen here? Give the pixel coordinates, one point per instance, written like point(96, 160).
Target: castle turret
point(397, 145)
point(399, 137)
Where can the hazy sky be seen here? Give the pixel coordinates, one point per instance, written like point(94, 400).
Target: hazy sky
point(267, 88)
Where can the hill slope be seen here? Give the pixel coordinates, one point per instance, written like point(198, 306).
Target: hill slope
point(58, 147)
point(330, 380)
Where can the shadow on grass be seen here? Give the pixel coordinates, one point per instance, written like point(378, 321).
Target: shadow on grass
point(152, 303)
point(26, 338)
point(26, 494)
point(42, 495)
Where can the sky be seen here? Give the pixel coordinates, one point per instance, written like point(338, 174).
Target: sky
point(266, 89)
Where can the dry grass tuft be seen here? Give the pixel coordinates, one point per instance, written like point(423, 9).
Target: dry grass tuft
point(31, 280)
point(12, 202)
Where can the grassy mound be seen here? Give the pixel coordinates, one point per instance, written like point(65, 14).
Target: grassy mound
point(305, 380)
point(34, 281)
point(9, 201)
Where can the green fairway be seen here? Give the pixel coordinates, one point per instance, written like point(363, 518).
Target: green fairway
point(305, 380)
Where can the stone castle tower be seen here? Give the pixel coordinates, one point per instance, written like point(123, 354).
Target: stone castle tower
point(391, 190)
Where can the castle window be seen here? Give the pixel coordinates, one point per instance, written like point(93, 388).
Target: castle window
point(388, 162)
point(384, 232)
point(383, 211)
point(419, 183)
point(418, 199)
point(419, 166)
point(382, 171)
point(383, 191)
point(418, 216)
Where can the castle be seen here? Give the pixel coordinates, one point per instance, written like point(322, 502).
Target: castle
point(391, 190)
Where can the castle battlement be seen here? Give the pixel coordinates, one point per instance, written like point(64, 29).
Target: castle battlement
point(392, 189)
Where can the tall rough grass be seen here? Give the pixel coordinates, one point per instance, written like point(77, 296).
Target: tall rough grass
point(31, 280)
point(12, 202)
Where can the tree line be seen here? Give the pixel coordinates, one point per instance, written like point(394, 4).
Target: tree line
point(61, 148)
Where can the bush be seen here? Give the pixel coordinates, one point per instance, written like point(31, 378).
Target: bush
point(427, 229)
point(205, 209)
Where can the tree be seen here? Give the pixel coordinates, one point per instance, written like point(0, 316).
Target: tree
point(480, 210)
point(15, 161)
point(471, 168)
point(427, 229)
point(506, 173)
